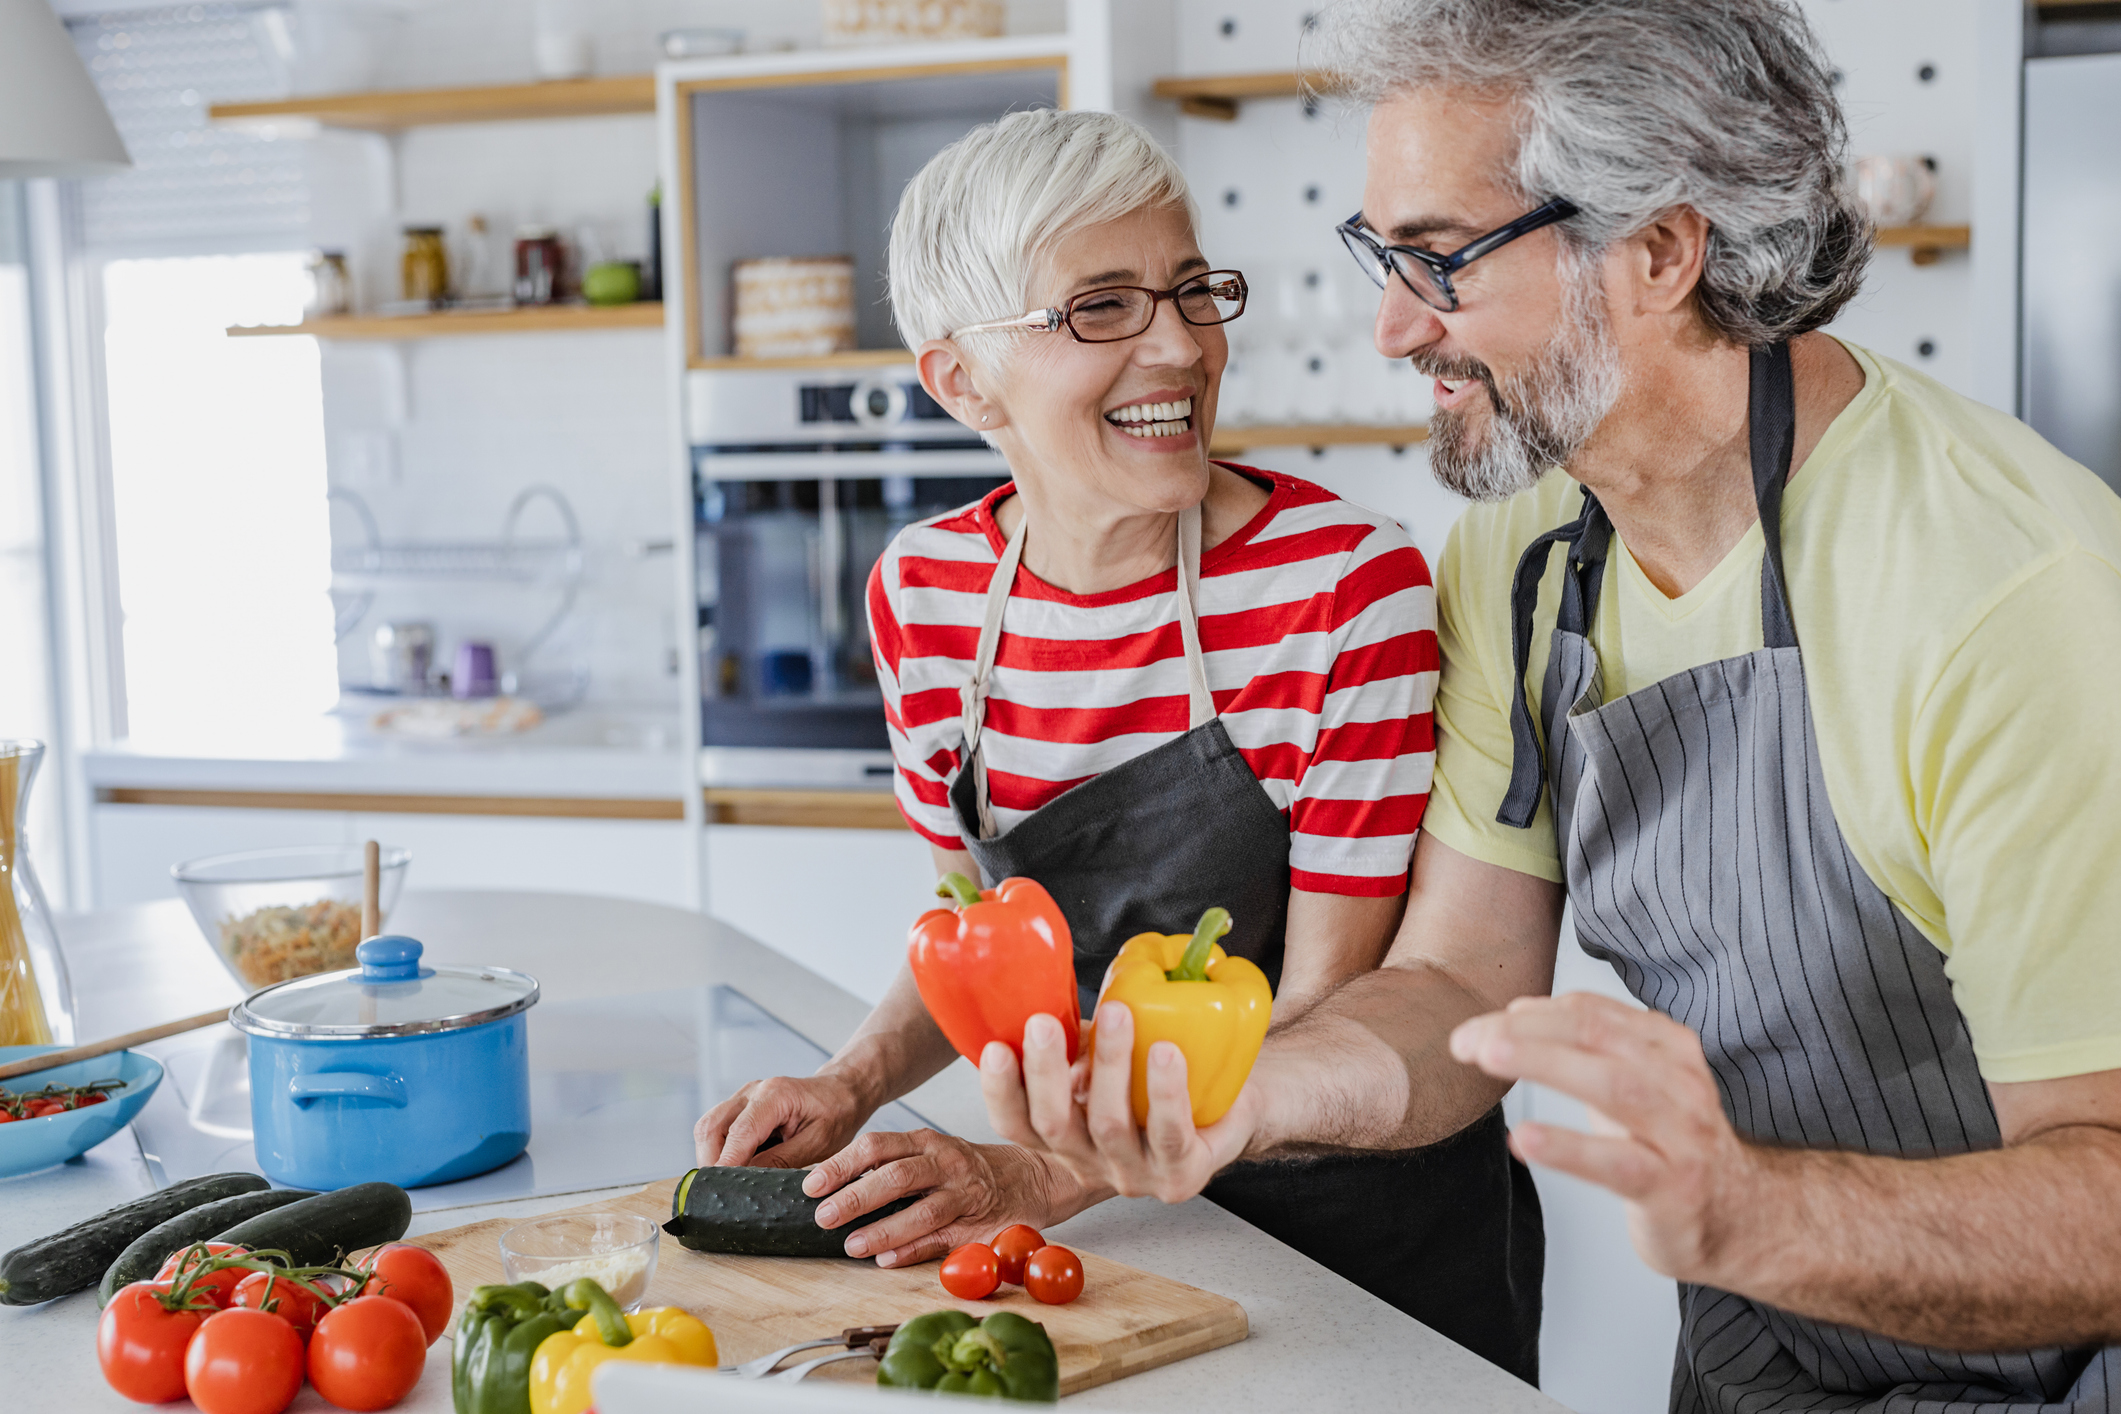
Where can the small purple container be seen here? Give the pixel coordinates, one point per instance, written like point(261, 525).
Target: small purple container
point(474, 676)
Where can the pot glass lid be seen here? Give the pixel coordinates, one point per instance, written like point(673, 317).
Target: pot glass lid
point(390, 994)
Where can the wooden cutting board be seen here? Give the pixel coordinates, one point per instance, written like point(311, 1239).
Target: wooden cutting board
point(1124, 1322)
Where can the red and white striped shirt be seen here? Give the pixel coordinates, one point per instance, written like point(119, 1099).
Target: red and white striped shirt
point(1318, 626)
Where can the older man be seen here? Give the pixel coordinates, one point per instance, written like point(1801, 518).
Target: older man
point(1811, 723)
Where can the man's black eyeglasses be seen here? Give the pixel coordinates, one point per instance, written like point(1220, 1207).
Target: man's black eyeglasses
point(1425, 272)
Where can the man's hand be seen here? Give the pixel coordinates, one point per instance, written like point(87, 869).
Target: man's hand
point(973, 1192)
point(813, 1117)
point(1083, 1115)
point(1663, 1143)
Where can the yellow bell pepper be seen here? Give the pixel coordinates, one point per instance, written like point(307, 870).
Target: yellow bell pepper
point(1187, 991)
point(561, 1369)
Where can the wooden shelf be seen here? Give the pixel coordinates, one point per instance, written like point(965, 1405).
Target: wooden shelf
point(1228, 440)
point(850, 358)
point(389, 110)
point(531, 319)
point(1926, 244)
point(1218, 96)
point(827, 809)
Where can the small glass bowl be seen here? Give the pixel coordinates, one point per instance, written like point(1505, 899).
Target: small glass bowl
point(617, 1249)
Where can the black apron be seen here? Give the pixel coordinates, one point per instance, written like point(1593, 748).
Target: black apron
point(1449, 1234)
point(1704, 862)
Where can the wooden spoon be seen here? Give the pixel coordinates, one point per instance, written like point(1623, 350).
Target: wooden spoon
point(52, 1059)
point(372, 889)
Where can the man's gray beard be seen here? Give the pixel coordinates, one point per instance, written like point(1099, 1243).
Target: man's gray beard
point(1541, 418)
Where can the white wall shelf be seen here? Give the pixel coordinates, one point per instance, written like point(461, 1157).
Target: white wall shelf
point(446, 323)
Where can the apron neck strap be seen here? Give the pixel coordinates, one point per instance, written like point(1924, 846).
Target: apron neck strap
point(1772, 423)
point(1772, 433)
point(972, 696)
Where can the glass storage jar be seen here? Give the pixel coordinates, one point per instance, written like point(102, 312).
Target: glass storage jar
point(36, 996)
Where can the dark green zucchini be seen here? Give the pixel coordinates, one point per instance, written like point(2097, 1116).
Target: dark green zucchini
point(72, 1260)
point(146, 1253)
point(326, 1227)
point(759, 1213)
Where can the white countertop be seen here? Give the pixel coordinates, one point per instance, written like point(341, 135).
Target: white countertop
point(587, 752)
point(1313, 1335)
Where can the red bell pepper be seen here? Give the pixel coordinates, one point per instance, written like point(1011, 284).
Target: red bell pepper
point(992, 961)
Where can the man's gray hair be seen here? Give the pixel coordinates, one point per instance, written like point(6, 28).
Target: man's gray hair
point(974, 225)
point(1631, 108)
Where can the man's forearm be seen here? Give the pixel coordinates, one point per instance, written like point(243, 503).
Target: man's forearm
point(1368, 1068)
point(2004, 1249)
point(896, 1048)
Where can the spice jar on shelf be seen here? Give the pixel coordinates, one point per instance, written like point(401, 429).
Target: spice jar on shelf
point(425, 265)
point(330, 285)
point(541, 265)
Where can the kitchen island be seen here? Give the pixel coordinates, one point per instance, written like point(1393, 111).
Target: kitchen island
point(1311, 1332)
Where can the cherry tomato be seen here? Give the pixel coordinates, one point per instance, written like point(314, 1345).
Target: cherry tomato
point(218, 1286)
point(243, 1362)
point(93, 1098)
point(1014, 1247)
point(140, 1343)
point(972, 1272)
point(1054, 1275)
point(367, 1354)
point(290, 1301)
point(6, 1118)
point(416, 1277)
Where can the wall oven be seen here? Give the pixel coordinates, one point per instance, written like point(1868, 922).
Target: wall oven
point(800, 479)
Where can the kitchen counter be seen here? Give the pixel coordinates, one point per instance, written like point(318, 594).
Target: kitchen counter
point(1310, 1330)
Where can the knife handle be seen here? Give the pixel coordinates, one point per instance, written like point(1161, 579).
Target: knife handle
point(857, 1336)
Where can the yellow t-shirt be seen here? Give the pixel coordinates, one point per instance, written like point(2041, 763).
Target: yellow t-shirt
point(1956, 586)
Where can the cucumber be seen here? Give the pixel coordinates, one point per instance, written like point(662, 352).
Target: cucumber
point(72, 1260)
point(146, 1253)
point(327, 1226)
point(758, 1213)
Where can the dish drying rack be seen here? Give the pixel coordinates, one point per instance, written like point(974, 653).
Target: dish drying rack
point(357, 572)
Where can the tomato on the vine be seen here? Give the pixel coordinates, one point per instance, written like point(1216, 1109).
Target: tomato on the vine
point(1054, 1275)
point(219, 1286)
point(416, 1277)
point(243, 1362)
point(367, 1354)
point(1013, 1247)
point(972, 1272)
point(291, 1301)
point(140, 1342)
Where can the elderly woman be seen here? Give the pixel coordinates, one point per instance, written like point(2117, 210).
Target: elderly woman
point(1190, 684)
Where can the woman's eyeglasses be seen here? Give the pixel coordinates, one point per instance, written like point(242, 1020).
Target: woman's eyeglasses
point(1425, 272)
point(1105, 316)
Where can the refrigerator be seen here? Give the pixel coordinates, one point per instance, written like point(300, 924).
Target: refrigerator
point(2072, 257)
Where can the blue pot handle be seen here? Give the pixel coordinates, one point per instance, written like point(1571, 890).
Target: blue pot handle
point(311, 1086)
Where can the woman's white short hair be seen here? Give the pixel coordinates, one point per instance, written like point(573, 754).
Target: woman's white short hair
point(974, 226)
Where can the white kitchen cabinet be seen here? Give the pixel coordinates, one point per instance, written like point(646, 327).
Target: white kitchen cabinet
point(642, 859)
point(135, 845)
point(837, 901)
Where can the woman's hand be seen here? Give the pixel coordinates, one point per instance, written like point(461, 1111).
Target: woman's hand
point(973, 1192)
point(813, 1117)
point(1083, 1115)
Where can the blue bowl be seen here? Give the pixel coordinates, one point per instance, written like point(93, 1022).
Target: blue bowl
point(31, 1144)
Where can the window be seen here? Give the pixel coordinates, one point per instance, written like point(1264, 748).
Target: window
point(217, 491)
point(215, 445)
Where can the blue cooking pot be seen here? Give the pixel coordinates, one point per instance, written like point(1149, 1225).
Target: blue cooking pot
point(395, 1072)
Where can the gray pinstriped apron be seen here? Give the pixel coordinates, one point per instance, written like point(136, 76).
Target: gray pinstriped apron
point(1704, 862)
point(1449, 1234)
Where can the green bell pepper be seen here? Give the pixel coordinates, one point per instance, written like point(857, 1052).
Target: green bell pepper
point(1004, 1356)
point(500, 1330)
